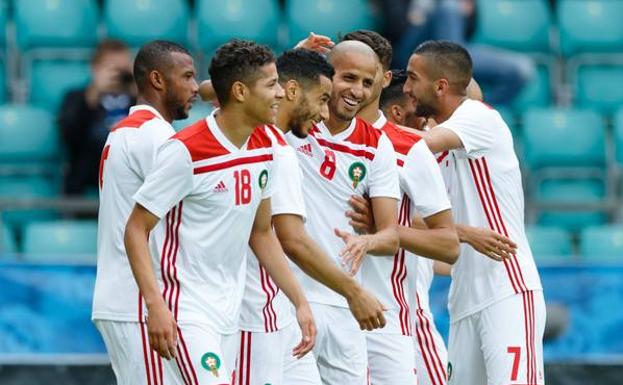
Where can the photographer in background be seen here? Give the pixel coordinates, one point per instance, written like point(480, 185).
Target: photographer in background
point(87, 114)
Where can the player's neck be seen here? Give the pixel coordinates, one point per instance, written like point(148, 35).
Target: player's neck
point(336, 125)
point(236, 126)
point(453, 102)
point(155, 104)
point(370, 113)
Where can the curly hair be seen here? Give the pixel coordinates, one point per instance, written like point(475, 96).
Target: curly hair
point(380, 45)
point(237, 60)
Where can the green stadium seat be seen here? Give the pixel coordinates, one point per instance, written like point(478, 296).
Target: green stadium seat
point(219, 21)
point(61, 241)
point(602, 243)
point(199, 111)
point(326, 17)
point(549, 244)
point(138, 21)
point(599, 87)
point(618, 136)
point(28, 134)
point(563, 137)
point(56, 23)
point(51, 79)
point(521, 25)
point(571, 191)
point(537, 93)
point(4, 16)
point(30, 186)
point(590, 26)
point(7, 242)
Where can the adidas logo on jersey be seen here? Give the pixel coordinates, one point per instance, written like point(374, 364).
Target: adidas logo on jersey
point(305, 149)
point(220, 188)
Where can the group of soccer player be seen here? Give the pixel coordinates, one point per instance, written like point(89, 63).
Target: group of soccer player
point(291, 236)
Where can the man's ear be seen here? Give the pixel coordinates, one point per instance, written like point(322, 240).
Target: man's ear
point(239, 91)
point(157, 80)
point(292, 90)
point(387, 78)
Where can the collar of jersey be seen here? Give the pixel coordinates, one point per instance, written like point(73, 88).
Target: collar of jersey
point(380, 122)
point(220, 136)
point(324, 131)
point(146, 107)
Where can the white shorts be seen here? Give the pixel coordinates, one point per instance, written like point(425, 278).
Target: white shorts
point(500, 345)
point(340, 346)
point(431, 357)
point(266, 358)
point(132, 360)
point(204, 357)
point(391, 359)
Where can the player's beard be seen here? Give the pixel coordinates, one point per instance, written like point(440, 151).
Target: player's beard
point(178, 107)
point(300, 116)
point(425, 110)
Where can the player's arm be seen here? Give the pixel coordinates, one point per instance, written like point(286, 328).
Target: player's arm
point(487, 242)
point(437, 241)
point(269, 253)
point(441, 268)
point(161, 324)
point(384, 241)
point(312, 259)
point(440, 139)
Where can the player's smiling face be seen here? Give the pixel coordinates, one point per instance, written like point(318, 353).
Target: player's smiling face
point(312, 108)
point(182, 86)
point(421, 87)
point(352, 83)
point(265, 95)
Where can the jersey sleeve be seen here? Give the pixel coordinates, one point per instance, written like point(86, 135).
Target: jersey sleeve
point(421, 179)
point(288, 194)
point(146, 144)
point(384, 172)
point(170, 180)
point(471, 124)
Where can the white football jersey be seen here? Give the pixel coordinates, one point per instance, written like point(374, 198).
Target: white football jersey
point(486, 192)
point(359, 160)
point(393, 278)
point(127, 158)
point(264, 307)
point(206, 192)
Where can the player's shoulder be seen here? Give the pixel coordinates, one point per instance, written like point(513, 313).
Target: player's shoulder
point(264, 137)
point(199, 141)
point(135, 120)
point(365, 134)
point(402, 140)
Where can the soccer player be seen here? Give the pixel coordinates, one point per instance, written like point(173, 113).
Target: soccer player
point(209, 193)
point(266, 319)
point(165, 76)
point(391, 351)
point(345, 156)
point(497, 311)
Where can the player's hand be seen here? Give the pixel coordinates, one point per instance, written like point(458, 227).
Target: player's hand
point(490, 243)
point(162, 330)
point(207, 93)
point(367, 310)
point(355, 248)
point(361, 217)
point(319, 43)
point(305, 319)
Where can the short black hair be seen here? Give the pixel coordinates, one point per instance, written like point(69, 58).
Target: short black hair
point(380, 45)
point(393, 92)
point(237, 60)
point(304, 66)
point(448, 60)
point(154, 55)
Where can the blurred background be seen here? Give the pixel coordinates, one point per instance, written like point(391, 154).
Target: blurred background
point(554, 70)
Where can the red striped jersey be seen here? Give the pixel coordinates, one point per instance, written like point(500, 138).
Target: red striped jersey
point(423, 193)
point(126, 159)
point(359, 160)
point(486, 192)
point(206, 192)
point(264, 307)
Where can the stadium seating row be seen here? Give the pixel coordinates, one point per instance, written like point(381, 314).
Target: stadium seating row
point(75, 241)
